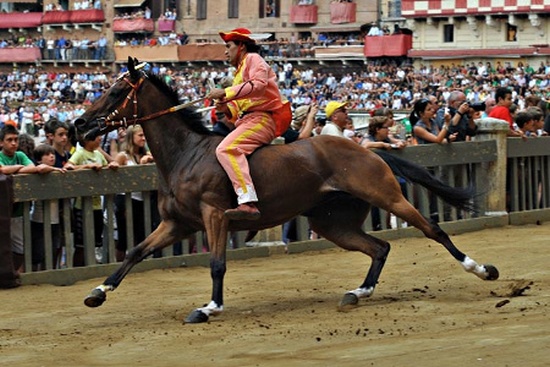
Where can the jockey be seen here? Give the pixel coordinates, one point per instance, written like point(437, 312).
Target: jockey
point(253, 103)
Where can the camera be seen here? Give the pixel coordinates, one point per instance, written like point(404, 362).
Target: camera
point(478, 106)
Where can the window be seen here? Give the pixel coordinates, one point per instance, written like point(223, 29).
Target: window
point(269, 8)
point(233, 9)
point(448, 33)
point(511, 33)
point(171, 6)
point(201, 9)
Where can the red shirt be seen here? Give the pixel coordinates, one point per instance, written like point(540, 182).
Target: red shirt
point(502, 113)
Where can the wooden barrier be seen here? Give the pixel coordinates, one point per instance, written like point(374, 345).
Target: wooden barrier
point(484, 158)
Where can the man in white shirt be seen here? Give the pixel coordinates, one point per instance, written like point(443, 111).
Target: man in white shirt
point(337, 118)
point(374, 30)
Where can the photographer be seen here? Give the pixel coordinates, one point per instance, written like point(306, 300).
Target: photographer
point(463, 116)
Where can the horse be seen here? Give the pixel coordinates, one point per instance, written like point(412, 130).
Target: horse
point(330, 180)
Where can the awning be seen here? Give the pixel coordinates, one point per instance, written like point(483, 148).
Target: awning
point(128, 3)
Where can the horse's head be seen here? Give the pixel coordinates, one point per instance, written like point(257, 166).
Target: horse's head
point(116, 107)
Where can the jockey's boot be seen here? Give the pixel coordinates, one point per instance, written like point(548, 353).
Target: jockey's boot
point(245, 211)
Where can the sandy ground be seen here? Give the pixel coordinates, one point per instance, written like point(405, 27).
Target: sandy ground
point(281, 311)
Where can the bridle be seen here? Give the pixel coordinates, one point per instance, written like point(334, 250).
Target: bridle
point(112, 119)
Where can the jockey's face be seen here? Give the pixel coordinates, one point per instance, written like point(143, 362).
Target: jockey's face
point(233, 52)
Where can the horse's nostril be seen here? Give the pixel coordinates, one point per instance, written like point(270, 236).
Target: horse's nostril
point(79, 122)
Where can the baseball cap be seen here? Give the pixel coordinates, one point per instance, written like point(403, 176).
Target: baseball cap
point(333, 106)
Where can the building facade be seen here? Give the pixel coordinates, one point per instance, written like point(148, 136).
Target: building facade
point(461, 31)
point(123, 22)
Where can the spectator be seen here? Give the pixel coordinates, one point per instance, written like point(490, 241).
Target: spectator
point(426, 131)
point(337, 115)
point(57, 136)
point(490, 103)
point(135, 153)
point(538, 118)
point(302, 123)
point(301, 128)
point(526, 124)
point(45, 154)
point(463, 116)
point(501, 111)
point(374, 30)
point(379, 138)
point(13, 161)
point(87, 156)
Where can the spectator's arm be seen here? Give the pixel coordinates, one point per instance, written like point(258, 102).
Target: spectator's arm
point(10, 170)
point(310, 122)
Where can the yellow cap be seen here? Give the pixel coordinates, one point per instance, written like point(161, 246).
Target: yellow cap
point(333, 106)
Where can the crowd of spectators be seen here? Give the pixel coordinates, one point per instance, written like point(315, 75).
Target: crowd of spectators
point(65, 94)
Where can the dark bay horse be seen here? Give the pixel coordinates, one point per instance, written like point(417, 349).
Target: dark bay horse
point(331, 180)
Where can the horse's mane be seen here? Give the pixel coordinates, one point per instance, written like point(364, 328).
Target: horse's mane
point(189, 116)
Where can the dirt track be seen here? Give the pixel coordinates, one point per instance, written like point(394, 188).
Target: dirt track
point(281, 311)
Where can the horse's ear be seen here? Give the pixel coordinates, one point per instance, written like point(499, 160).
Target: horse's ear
point(132, 63)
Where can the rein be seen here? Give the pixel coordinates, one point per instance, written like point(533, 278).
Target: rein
point(110, 120)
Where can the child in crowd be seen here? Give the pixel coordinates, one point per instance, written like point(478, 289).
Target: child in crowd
point(526, 124)
point(13, 161)
point(45, 154)
point(88, 156)
point(57, 136)
point(135, 153)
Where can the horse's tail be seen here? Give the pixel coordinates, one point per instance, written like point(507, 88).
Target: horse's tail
point(461, 198)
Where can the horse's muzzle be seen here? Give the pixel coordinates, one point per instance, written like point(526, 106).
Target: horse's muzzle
point(85, 131)
point(80, 124)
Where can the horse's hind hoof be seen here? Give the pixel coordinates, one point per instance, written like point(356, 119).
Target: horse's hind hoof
point(492, 272)
point(96, 298)
point(348, 302)
point(196, 317)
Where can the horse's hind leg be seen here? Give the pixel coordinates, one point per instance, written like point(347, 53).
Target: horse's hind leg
point(404, 210)
point(162, 237)
point(340, 222)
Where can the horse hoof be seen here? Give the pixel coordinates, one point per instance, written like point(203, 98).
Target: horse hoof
point(492, 272)
point(196, 317)
point(348, 302)
point(95, 299)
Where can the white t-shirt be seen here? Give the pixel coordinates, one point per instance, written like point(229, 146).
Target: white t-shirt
point(331, 129)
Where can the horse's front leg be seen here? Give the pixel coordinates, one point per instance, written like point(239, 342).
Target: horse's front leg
point(160, 238)
point(216, 233)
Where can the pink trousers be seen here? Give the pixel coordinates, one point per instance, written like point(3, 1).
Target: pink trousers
point(252, 131)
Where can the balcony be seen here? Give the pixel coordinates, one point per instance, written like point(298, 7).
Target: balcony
point(20, 54)
point(392, 45)
point(342, 12)
point(133, 25)
point(303, 14)
point(17, 20)
point(173, 53)
point(74, 18)
point(165, 25)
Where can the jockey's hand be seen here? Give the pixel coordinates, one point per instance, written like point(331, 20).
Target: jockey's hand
point(222, 107)
point(216, 93)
